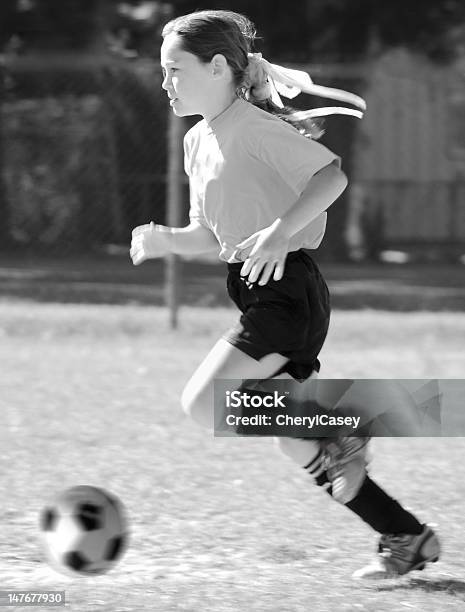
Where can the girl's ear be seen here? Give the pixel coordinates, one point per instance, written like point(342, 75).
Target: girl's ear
point(219, 65)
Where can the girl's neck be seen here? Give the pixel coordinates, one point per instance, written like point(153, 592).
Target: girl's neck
point(218, 106)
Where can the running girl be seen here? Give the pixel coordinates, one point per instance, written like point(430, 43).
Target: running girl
point(260, 187)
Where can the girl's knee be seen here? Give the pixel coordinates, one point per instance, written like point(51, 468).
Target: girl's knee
point(196, 406)
point(188, 402)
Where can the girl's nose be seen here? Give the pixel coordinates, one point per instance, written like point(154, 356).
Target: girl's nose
point(165, 82)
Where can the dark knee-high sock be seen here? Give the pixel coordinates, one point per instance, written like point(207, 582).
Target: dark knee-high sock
point(383, 513)
point(373, 505)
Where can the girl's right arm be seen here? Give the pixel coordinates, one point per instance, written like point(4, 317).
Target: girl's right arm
point(151, 241)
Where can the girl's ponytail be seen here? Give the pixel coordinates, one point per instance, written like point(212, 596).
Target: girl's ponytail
point(263, 81)
point(257, 89)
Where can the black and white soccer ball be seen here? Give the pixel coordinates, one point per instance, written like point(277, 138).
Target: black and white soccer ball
point(84, 530)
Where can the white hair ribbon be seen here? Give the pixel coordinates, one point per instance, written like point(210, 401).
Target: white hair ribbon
point(289, 83)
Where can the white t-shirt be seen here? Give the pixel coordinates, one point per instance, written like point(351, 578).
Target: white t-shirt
point(247, 167)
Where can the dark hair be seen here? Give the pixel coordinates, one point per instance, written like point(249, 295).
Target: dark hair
point(206, 33)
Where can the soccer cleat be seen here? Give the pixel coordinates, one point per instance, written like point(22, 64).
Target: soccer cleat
point(399, 554)
point(345, 464)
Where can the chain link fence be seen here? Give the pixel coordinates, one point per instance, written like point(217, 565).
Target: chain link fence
point(84, 151)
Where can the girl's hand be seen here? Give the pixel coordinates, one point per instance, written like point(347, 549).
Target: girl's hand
point(149, 241)
point(268, 255)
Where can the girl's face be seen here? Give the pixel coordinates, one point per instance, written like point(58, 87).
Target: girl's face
point(186, 78)
point(190, 84)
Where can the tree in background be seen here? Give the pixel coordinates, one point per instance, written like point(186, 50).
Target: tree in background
point(349, 31)
point(77, 25)
point(64, 46)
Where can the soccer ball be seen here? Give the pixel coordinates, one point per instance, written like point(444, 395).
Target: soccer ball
point(84, 530)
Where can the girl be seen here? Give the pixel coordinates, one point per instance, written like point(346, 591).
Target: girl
point(260, 186)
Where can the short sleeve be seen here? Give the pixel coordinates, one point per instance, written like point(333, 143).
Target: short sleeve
point(293, 156)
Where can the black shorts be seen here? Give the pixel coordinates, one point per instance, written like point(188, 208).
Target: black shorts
point(289, 316)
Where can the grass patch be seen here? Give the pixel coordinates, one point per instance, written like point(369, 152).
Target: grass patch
point(90, 394)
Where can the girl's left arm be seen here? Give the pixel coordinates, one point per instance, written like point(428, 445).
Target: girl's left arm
point(270, 245)
point(322, 190)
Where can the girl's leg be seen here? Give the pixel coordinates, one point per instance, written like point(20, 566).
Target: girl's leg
point(383, 513)
point(371, 504)
point(224, 361)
